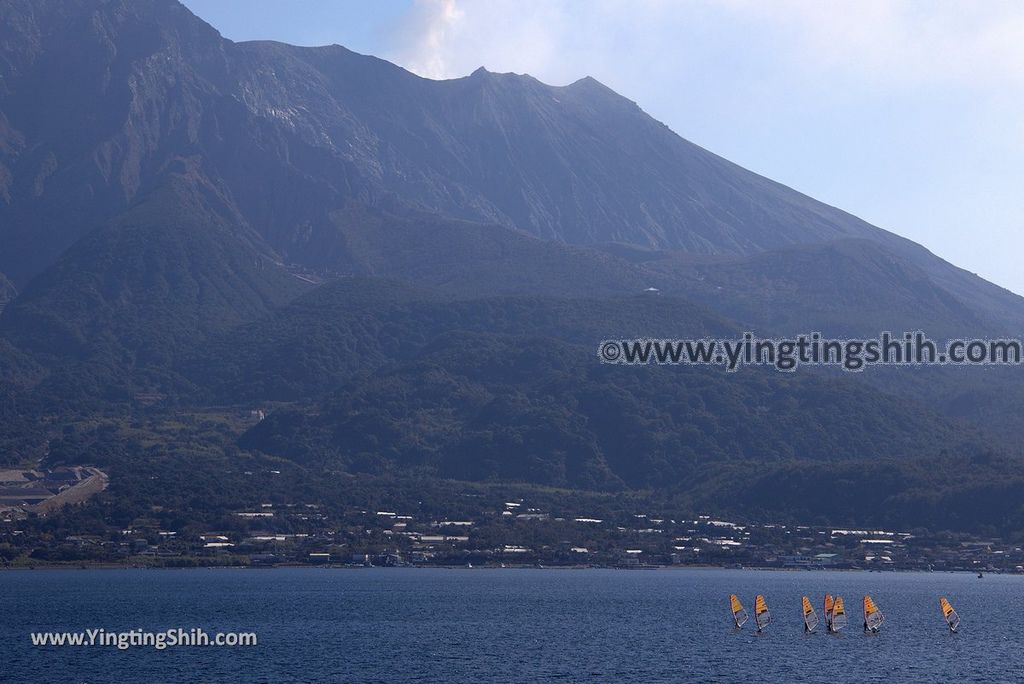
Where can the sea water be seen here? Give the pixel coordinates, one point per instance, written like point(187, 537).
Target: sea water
point(490, 625)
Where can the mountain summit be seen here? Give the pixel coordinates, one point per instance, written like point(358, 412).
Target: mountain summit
point(189, 223)
point(292, 135)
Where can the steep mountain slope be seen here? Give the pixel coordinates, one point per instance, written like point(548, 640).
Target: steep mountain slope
point(351, 325)
point(293, 136)
point(488, 406)
point(127, 301)
point(323, 338)
point(169, 199)
point(95, 99)
point(947, 490)
point(470, 259)
point(145, 286)
point(845, 287)
point(577, 163)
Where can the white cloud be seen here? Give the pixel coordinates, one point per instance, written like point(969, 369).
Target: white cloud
point(447, 38)
point(432, 31)
point(907, 112)
point(892, 42)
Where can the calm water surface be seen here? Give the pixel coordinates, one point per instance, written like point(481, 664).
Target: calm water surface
point(391, 625)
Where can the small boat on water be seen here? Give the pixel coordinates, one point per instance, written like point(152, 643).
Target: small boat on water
point(839, 618)
point(739, 615)
point(952, 618)
point(873, 617)
point(828, 612)
point(810, 617)
point(762, 618)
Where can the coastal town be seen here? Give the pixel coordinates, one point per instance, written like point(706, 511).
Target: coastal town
point(514, 534)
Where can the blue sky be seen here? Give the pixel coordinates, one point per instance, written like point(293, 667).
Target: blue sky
point(907, 113)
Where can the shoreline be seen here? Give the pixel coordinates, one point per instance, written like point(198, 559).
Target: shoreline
point(566, 568)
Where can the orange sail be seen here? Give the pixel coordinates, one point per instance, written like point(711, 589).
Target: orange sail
point(839, 618)
point(952, 619)
point(739, 615)
point(810, 617)
point(761, 615)
point(873, 617)
point(828, 611)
